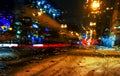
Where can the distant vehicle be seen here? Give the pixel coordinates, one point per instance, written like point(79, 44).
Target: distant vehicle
point(7, 53)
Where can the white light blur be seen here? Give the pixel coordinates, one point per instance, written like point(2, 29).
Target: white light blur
point(8, 45)
point(35, 45)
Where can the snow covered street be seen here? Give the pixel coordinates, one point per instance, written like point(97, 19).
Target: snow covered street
point(72, 65)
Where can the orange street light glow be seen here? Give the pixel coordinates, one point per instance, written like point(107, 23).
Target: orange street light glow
point(95, 5)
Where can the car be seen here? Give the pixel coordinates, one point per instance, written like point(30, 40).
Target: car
point(7, 53)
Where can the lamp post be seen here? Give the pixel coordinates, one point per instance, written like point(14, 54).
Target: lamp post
point(92, 29)
point(95, 10)
point(63, 32)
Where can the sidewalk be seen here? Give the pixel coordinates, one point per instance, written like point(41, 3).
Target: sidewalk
point(96, 52)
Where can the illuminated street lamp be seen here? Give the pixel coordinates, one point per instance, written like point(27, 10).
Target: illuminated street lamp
point(63, 28)
point(92, 23)
point(95, 5)
point(40, 12)
point(93, 11)
point(10, 28)
point(63, 25)
point(92, 30)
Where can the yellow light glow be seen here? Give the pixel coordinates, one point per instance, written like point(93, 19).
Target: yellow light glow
point(63, 25)
point(77, 34)
point(95, 5)
point(107, 8)
point(10, 28)
point(39, 13)
point(3, 27)
point(33, 14)
point(92, 23)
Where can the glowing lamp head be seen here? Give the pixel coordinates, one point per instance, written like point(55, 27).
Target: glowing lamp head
point(95, 5)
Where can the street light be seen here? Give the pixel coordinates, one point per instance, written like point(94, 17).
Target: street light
point(63, 25)
point(92, 23)
point(92, 29)
point(95, 5)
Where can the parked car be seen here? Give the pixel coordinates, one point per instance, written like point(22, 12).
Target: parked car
point(7, 53)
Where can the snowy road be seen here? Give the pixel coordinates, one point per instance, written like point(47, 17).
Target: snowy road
point(72, 65)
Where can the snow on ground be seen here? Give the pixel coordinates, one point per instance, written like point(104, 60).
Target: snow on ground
point(104, 48)
point(73, 65)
